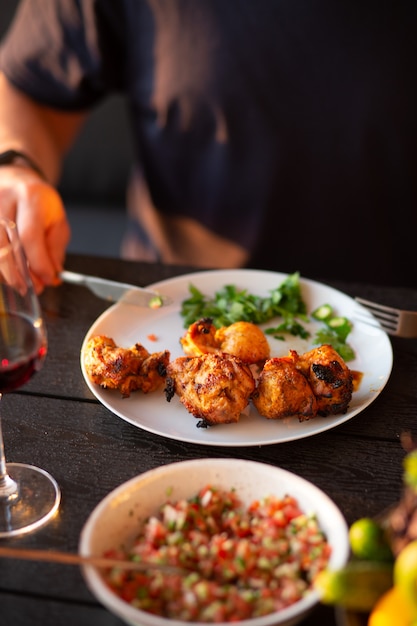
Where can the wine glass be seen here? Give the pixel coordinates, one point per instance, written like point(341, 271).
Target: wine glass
point(29, 496)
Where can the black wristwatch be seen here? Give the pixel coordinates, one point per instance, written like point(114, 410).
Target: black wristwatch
point(14, 156)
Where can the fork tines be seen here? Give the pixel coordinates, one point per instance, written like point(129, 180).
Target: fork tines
point(384, 316)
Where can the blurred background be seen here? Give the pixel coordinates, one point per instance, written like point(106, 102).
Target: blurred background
point(95, 172)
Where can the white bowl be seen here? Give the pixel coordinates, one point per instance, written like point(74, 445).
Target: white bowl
point(115, 521)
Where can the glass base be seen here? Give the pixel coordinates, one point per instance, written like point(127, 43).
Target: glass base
point(37, 502)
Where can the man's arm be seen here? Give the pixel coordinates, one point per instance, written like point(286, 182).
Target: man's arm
point(44, 135)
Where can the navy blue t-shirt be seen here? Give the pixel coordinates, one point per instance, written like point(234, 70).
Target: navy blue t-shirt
point(285, 127)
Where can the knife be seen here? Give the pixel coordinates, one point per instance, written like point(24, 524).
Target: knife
point(69, 558)
point(116, 292)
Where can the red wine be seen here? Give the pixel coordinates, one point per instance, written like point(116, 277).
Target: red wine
point(22, 350)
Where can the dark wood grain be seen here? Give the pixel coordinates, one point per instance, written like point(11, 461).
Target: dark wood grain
point(55, 422)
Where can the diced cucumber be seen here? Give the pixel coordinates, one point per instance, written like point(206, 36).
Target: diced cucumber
point(322, 313)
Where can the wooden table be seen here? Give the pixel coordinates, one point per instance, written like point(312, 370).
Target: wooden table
point(56, 423)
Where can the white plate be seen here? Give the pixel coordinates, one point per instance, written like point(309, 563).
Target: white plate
point(127, 325)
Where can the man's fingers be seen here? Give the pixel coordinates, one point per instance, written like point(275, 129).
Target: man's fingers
point(57, 238)
point(38, 211)
point(44, 231)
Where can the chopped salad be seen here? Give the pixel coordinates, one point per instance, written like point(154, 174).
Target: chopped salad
point(239, 562)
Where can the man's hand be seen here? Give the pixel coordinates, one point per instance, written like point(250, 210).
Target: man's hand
point(38, 211)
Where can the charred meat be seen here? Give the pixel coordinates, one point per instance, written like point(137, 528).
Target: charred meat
point(242, 339)
point(329, 377)
point(124, 369)
point(315, 383)
point(213, 387)
point(283, 391)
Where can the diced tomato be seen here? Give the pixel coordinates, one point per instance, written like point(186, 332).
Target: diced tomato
point(243, 563)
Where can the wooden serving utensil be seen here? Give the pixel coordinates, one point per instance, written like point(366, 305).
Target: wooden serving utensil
point(67, 558)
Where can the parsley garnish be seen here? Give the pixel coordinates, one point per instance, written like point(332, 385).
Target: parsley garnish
point(230, 304)
point(335, 332)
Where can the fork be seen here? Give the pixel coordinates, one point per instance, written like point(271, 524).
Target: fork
point(398, 322)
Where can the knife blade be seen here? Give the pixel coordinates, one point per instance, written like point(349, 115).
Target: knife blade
point(113, 291)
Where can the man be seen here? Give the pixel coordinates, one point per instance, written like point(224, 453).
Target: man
point(273, 134)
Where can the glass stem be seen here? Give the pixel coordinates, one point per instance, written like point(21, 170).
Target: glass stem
point(8, 487)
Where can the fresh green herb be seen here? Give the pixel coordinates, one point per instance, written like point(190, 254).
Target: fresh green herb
point(341, 326)
point(289, 327)
point(325, 335)
point(335, 331)
point(230, 304)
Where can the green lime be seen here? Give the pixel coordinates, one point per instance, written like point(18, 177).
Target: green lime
point(368, 541)
point(356, 586)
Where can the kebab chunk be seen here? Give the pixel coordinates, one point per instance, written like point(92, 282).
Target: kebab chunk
point(215, 388)
point(245, 340)
point(124, 369)
point(283, 391)
point(315, 383)
point(330, 378)
point(242, 339)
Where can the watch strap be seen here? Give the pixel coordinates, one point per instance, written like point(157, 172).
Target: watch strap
point(14, 156)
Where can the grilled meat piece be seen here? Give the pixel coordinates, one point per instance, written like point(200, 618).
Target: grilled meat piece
point(215, 388)
point(330, 378)
point(245, 340)
point(283, 391)
point(242, 339)
point(124, 369)
point(200, 338)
